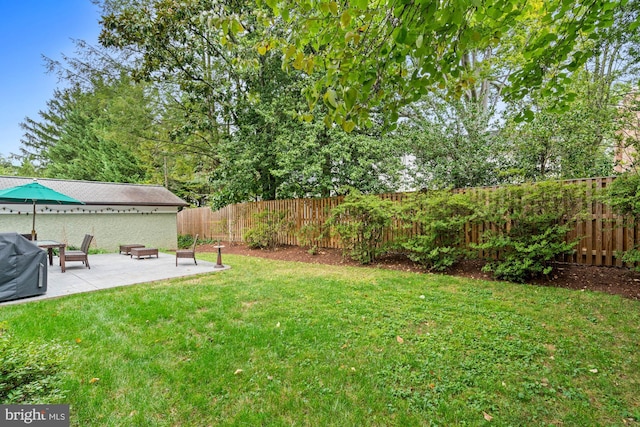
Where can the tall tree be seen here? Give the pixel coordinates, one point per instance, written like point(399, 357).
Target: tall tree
point(181, 47)
point(84, 150)
point(8, 168)
point(452, 132)
point(274, 154)
point(102, 125)
point(580, 141)
point(42, 133)
point(452, 143)
point(554, 142)
point(239, 105)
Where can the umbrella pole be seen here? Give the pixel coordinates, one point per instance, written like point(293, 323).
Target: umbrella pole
point(33, 225)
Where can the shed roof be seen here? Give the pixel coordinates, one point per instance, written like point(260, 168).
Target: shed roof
point(104, 193)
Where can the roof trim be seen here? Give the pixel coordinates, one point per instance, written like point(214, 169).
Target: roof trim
point(104, 193)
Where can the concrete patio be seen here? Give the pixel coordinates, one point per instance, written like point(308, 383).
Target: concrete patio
point(113, 270)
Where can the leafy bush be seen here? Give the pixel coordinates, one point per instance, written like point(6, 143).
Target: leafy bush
point(185, 241)
point(269, 224)
point(632, 257)
point(529, 228)
point(440, 217)
point(310, 236)
point(30, 372)
point(623, 195)
point(359, 223)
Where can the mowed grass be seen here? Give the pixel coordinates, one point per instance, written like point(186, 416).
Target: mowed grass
point(277, 343)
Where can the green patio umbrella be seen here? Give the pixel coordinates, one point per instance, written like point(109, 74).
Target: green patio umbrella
point(37, 194)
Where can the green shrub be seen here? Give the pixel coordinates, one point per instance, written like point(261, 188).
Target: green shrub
point(30, 372)
point(269, 224)
point(529, 225)
point(440, 218)
point(310, 236)
point(359, 223)
point(185, 241)
point(631, 257)
point(623, 195)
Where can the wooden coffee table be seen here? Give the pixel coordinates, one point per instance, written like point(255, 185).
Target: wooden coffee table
point(140, 252)
point(126, 249)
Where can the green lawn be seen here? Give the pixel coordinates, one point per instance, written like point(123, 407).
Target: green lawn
point(277, 343)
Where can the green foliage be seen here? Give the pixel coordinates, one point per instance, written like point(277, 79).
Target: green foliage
point(359, 222)
point(83, 134)
point(106, 126)
point(440, 216)
point(558, 143)
point(268, 226)
point(452, 142)
point(529, 225)
point(374, 53)
point(623, 195)
point(631, 257)
point(30, 372)
point(231, 101)
point(205, 100)
point(566, 144)
point(6, 167)
point(185, 241)
point(222, 103)
point(208, 104)
point(290, 158)
point(9, 168)
point(310, 237)
point(316, 161)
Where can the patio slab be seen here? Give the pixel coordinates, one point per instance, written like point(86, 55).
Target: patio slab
point(113, 270)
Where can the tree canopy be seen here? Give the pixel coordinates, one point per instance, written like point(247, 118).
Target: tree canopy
point(378, 56)
point(239, 107)
point(234, 100)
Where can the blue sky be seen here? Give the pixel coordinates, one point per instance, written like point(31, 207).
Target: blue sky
point(29, 30)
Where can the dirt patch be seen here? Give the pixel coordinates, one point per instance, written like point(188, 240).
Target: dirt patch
point(617, 281)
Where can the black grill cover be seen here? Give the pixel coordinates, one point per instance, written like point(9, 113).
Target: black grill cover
point(23, 268)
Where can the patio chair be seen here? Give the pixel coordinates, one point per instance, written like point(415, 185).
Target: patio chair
point(82, 254)
point(188, 253)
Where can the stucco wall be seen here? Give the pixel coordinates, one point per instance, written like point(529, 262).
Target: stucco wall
point(152, 227)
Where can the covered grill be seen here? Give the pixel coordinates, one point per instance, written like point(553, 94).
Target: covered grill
point(23, 268)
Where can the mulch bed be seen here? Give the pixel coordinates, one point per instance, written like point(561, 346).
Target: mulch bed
point(612, 280)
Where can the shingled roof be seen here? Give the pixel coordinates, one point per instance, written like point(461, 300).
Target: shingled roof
point(104, 193)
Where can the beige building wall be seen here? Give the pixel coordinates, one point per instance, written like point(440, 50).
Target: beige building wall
point(111, 226)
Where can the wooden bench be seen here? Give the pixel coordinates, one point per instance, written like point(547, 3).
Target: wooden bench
point(138, 252)
point(126, 249)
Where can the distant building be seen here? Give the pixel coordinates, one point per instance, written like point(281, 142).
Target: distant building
point(113, 213)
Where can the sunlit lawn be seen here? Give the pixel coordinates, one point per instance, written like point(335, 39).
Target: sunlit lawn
point(277, 343)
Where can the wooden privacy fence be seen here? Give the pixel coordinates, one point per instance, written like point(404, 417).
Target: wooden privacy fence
point(602, 234)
